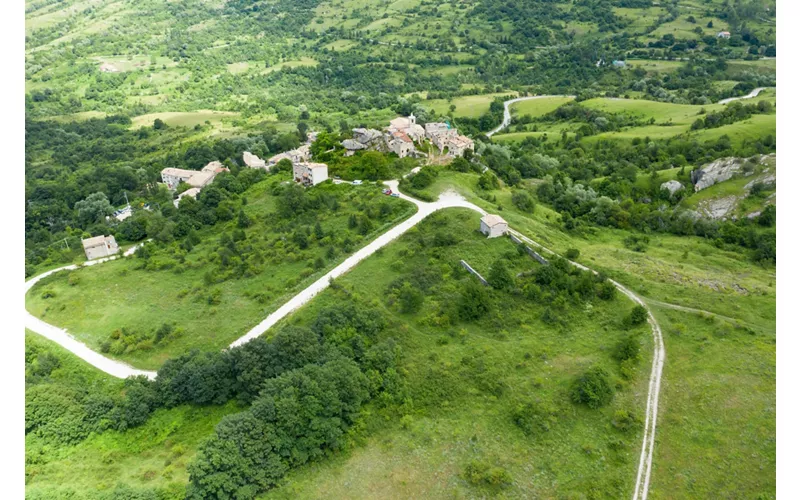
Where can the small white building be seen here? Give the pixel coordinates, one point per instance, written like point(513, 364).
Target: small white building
point(724, 34)
point(100, 246)
point(310, 174)
point(493, 225)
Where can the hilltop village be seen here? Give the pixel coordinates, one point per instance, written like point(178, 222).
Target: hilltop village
point(403, 137)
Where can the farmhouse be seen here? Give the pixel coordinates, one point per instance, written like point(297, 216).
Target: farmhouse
point(253, 161)
point(493, 225)
point(100, 246)
point(310, 174)
point(724, 34)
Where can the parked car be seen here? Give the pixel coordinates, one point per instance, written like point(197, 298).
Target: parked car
point(357, 183)
point(396, 195)
point(387, 191)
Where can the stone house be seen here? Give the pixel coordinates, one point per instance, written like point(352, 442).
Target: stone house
point(196, 179)
point(724, 34)
point(401, 144)
point(310, 174)
point(409, 126)
point(99, 246)
point(253, 161)
point(493, 225)
point(458, 144)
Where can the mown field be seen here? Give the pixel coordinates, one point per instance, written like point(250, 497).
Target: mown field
point(668, 120)
point(94, 302)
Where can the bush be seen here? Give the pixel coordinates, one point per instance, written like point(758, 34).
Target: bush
point(627, 348)
point(572, 253)
point(500, 277)
point(637, 316)
point(637, 243)
point(474, 302)
point(481, 474)
point(533, 418)
point(523, 201)
point(593, 388)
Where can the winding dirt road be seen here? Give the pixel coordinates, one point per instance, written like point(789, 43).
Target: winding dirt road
point(752, 94)
point(507, 110)
point(446, 200)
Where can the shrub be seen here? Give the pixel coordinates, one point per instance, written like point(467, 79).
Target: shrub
point(523, 201)
point(410, 298)
point(474, 302)
point(572, 253)
point(593, 388)
point(637, 316)
point(500, 277)
point(627, 348)
point(481, 474)
point(533, 418)
point(637, 243)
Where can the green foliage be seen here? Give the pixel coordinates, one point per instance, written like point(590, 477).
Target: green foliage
point(637, 242)
point(523, 201)
point(488, 181)
point(593, 388)
point(637, 316)
point(479, 473)
point(534, 418)
point(499, 276)
point(572, 253)
point(298, 417)
point(474, 302)
point(410, 298)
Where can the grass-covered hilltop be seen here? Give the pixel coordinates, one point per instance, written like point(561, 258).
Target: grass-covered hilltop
point(294, 197)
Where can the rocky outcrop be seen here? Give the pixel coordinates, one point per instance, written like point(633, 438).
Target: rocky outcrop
point(719, 208)
point(672, 186)
point(716, 171)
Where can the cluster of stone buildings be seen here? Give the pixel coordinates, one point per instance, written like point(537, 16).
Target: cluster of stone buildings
point(404, 134)
point(195, 178)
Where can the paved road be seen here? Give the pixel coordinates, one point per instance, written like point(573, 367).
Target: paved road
point(507, 111)
point(752, 94)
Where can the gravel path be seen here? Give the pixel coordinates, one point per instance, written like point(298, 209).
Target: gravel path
point(752, 94)
point(61, 337)
point(507, 111)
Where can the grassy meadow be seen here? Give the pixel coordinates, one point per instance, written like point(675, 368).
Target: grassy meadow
point(459, 411)
point(93, 302)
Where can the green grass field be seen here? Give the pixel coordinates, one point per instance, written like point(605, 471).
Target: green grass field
point(423, 455)
point(471, 106)
point(538, 107)
point(184, 119)
point(118, 294)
